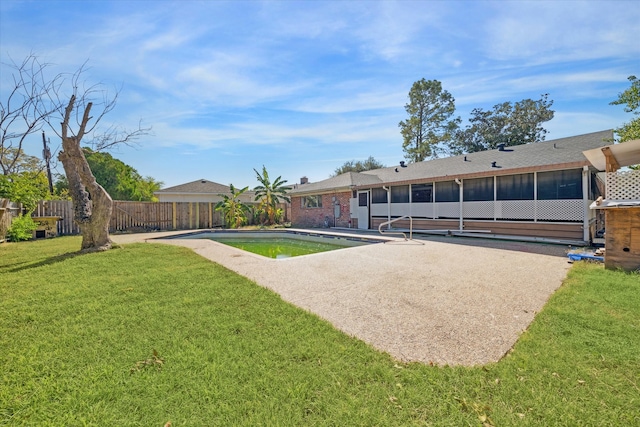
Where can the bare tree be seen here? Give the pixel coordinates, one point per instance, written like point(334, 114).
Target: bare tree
point(92, 205)
point(24, 110)
point(33, 101)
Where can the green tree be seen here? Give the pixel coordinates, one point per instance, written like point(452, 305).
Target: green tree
point(507, 123)
point(631, 98)
point(430, 121)
point(234, 211)
point(18, 161)
point(270, 194)
point(120, 180)
point(358, 166)
point(27, 188)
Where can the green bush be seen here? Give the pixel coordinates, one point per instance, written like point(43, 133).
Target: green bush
point(22, 228)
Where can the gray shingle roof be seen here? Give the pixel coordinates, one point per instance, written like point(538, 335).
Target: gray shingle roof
point(341, 182)
point(564, 152)
point(203, 186)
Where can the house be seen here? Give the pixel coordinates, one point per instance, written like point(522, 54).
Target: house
point(539, 192)
point(620, 203)
point(200, 191)
point(202, 195)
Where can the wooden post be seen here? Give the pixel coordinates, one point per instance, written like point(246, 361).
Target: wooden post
point(611, 161)
point(174, 215)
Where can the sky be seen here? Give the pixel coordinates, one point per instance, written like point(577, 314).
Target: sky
point(301, 87)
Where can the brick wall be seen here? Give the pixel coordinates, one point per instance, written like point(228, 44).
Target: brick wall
point(315, 217)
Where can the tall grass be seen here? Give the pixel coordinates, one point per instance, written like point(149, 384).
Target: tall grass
point(146, 334)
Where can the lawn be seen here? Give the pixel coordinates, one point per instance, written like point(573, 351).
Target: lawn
point(148, 333)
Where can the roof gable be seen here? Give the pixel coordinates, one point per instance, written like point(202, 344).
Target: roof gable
point(201, 186)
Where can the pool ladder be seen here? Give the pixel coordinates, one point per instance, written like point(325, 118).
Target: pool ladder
point(381, 231)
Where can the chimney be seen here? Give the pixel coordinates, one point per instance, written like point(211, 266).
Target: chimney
point(304, 180)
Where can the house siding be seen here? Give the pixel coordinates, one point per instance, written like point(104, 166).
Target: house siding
point(319, 217)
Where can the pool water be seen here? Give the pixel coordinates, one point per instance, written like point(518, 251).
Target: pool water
point(281, 247)
point(282, 244)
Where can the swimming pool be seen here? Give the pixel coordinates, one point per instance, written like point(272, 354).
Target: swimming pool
point(282, 243)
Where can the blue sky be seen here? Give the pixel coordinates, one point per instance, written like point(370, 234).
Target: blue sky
point(303, 86)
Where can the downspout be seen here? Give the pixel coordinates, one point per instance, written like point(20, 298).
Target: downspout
point(388, 190)
point(460, 198)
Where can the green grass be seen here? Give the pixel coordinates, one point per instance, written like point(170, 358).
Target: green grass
point(78, 335)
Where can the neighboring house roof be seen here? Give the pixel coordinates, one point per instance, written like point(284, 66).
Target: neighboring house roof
point(203, 187)
point(556, 154)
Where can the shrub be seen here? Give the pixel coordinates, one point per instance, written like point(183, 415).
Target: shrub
point(22, 228)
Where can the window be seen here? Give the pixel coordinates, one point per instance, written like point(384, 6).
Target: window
point(515, 187)
point(478, 190)
point(447, 191)
point(400, 194)
point(378, 195)
point(422, 193)
point(309, 202)
point(362, 199)
point(560, 185)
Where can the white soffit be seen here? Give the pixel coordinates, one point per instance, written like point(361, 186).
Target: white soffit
point(626, 153)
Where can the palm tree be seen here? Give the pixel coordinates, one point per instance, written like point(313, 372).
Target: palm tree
point(270, 194)
point(234, 211)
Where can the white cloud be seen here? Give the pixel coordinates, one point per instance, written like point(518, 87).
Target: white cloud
point(544, 32)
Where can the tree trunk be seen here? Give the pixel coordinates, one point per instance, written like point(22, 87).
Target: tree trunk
point(92, 205)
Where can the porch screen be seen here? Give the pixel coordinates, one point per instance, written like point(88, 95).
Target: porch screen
point(515, 187)
point(596, 187)
point(378, 195)
point(560, 185)
point(477, 190)
point(422, 193)
point(447, 191)
point(400, 194)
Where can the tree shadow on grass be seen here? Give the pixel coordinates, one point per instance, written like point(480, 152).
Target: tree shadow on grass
point(22, 266)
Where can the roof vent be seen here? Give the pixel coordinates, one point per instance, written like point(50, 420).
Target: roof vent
point(204, 181)
point(402, 164)
point(493, 165)
point(465, 158)
point(501, 146)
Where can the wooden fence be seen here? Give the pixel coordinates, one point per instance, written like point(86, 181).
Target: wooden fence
point(139, 216)
point(130, 217)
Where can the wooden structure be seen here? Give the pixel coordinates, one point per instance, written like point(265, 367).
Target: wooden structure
point(131, 217)
point(47, 226)
point(621, 203)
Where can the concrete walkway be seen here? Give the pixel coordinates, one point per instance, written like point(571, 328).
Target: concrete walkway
point(451, 300)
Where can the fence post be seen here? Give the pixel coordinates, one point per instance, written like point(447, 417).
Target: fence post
point(174, 216)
